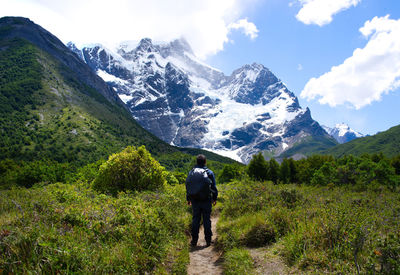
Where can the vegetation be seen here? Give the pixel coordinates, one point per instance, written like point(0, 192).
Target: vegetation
point(310, 145)
point(328, 213)
point(341, 216)
point(387, 142)
point(238, 262)
point(130, 170)
point(71, 228)
point(50, 118)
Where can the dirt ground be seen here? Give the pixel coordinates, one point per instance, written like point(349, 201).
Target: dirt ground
point(208, 260)
point(205, 260)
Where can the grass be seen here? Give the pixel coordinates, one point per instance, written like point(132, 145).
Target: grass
point(63, 228)
point(319, 229)
point(237, 262)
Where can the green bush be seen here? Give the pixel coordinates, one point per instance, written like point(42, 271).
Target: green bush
point(260, 234)
point(181, 177)
point(230, 172)
point(171, 179)
point(133, 170)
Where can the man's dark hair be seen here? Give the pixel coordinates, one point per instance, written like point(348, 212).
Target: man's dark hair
point(201, 160)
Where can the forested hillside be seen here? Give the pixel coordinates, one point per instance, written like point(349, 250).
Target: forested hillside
point(57, 115)
point(387, 142)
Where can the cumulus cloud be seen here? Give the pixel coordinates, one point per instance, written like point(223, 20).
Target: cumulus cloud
point(371, 71)
point(204, 23)
point(320, 12)
point(248, 28)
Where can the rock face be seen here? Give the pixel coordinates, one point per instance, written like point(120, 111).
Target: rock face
point(342, 133)
point(188, 103)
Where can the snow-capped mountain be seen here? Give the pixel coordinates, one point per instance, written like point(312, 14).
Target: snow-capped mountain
point(188, 103)
point(342, 133)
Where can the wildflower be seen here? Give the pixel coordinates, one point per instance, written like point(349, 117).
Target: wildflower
point(377, 252)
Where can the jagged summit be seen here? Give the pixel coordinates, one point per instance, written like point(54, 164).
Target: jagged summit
point(188, 103)
point(342, 132)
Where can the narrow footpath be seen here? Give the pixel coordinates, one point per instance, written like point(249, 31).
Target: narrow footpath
point(206, 260)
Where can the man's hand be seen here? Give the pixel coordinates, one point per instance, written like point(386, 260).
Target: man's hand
point(189, 202)
point(214, 203)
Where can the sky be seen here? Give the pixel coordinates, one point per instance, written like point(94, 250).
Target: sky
point(340, 57)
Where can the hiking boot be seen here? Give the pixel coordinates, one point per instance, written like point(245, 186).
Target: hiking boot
point(193, 243)
point(208, 244)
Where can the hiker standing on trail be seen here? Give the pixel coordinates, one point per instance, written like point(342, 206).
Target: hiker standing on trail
point(201, 193)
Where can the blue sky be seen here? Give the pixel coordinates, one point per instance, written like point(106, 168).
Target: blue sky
point(297, 52)
point(340, 57)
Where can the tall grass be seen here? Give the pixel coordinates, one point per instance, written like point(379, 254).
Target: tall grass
point(320, 229)
point(62, 228)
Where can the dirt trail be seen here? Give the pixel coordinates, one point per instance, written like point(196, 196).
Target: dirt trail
point(265, 264)
point(205, 260)
point(267, 261)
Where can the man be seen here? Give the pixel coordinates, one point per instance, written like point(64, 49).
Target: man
point(201, 193)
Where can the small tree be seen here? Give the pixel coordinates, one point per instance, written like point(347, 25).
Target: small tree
point(132, 169)
point(284, 174)
point(258, 168)
point(273, 171)
point(396, 164)
point(229, 172)
point(293, 171)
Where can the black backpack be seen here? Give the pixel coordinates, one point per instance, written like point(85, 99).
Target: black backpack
point(198, 184)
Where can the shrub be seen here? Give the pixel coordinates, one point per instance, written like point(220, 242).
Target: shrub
point(181, 177)
point(260, 234)
point(290, 197)
point(171, 179)
point(388, 254)
point(132, 169)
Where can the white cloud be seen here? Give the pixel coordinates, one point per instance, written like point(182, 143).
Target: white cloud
point(204, 23)
point(320, 12)
point(248, 28)
point(365, 76)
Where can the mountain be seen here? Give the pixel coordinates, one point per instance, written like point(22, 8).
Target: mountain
point(53, 106)
point(187, 103)
point(387, 142)
point(342, 133)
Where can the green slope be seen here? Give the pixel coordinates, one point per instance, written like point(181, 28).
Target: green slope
point(387, 142)
point(49, 111)
point(308, 146)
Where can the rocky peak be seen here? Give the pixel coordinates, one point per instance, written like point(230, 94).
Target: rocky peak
point(188, 103)
point(342, 132)
point(73, 48)
point(254, 84)
point(145, 45)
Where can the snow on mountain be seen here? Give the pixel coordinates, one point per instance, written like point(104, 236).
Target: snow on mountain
point(188, 103)
point(342, 133)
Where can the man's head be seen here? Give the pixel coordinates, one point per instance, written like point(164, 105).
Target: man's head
point(201, 160)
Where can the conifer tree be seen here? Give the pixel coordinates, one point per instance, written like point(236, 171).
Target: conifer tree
point(284, 174)
point(273, 171)
point(258, 168)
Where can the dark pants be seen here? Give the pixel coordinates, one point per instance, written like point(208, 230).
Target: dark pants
point(201, 209)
